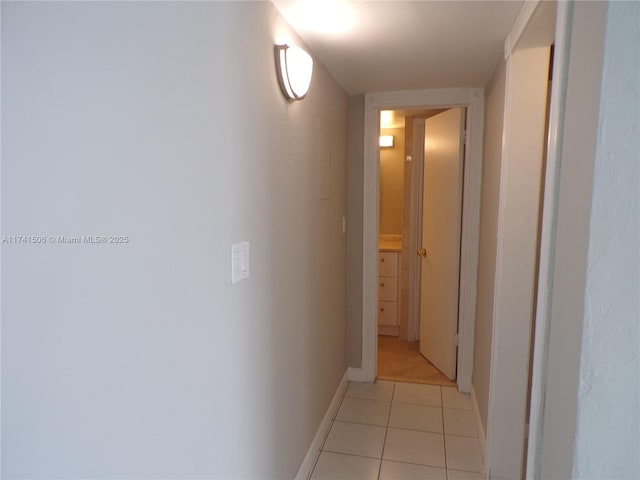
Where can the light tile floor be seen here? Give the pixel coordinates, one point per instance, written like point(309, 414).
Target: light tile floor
point(401, 431)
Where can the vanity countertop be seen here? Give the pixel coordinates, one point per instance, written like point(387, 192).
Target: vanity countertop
point(390, 243)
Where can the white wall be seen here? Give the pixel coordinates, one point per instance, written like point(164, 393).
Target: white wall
point(492, 154)
point(516, 255)
point(562, 286)
point(607, 442)
point(164, 122)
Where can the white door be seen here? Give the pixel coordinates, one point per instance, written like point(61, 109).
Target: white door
point(441, 223)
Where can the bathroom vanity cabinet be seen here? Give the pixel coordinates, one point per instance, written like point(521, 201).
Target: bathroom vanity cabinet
point(388, 295)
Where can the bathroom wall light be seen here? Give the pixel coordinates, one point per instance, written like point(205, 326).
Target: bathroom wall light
point(295, 67)
point(386, 140)
point(386, 118)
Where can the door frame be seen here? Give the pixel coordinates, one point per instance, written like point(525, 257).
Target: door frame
point(417, 172)
point(473, 100)
point(579, 40)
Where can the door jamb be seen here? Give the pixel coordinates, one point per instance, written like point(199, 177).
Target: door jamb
point(417, 169)
point(473, 100)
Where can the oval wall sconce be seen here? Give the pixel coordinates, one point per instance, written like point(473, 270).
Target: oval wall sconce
point(386, 141)
point(295, 68)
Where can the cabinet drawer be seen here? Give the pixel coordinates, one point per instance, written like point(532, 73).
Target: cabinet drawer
point(387, 313)
point(388, 264)
point(388, 289)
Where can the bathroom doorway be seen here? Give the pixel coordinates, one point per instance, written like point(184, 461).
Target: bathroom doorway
point(417, 326)
point(473, 100)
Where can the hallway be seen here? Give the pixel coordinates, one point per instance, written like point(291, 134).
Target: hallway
point(393, 430)
point(190, 255)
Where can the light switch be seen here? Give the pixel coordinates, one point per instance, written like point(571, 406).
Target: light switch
point(239, 261)
point(244, 260)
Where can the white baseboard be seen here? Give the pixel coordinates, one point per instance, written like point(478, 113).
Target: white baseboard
point(481, 434)
point(356, 374)
point(304, 472)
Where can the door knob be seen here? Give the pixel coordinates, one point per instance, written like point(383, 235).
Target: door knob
point(422, 252)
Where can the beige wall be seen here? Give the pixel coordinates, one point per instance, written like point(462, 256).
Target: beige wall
point(392, 183)
point(494, 117)
point(142, 360)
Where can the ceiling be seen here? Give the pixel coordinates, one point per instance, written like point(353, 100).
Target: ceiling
point(374, 46)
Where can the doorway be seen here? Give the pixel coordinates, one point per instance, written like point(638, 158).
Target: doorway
point(473, 100)
point(421, 165)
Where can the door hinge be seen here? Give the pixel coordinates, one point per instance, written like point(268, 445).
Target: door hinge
point(456, 339)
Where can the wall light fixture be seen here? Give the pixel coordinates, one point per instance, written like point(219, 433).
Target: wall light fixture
point(386, 140)
point(295, 68)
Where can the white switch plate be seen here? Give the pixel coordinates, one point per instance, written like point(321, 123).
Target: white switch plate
point(239, 261)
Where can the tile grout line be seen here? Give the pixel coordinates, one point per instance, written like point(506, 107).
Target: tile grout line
point(339, 420)
point(386, 430)
point(419, 464)
point(403, 428)
point(402, 461)
point(333, 420)
point(466, 470)
point(444, 436)
point(387, 427)
point(350, 454)
point(460, 409)
point(456, 435)
point(424, 405)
